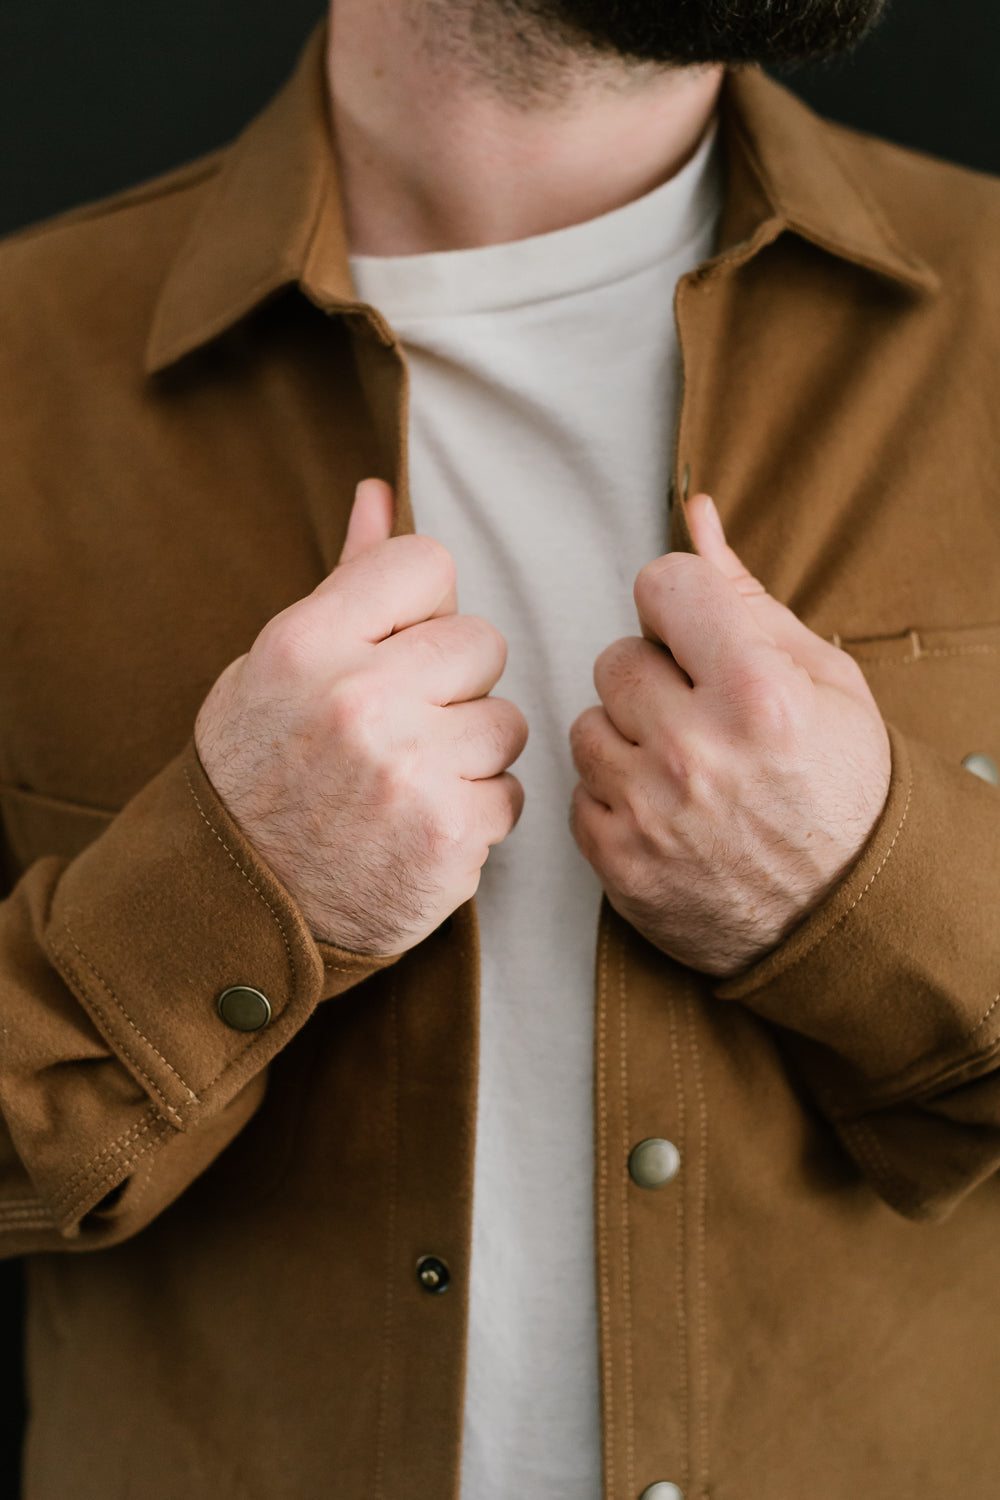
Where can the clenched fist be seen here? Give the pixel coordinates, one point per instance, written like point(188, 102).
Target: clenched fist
point(357, 748)
point(736, 766)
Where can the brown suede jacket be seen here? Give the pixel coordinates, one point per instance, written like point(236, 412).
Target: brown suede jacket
point(223, 1225)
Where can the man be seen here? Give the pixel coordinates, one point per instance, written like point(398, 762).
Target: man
point(254, 770)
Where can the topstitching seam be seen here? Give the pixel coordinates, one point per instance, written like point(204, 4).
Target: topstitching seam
point(27, 1216)
point(96, 1165)
point(981, 1023)
point(602, 1209)
point(823, 936)
point(388, 1316)
point(125, 1051)
point(923, 654)
point(157, 1126)
point(626, 1238)
point(261, 897)
point(249, 880)
point(701, 1379)
point(139, 1033)
point(679, 1276)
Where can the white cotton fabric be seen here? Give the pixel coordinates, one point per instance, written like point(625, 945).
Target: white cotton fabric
point(544, 383)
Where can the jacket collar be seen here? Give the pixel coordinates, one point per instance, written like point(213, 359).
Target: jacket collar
point(272, 218)
point(787, 173)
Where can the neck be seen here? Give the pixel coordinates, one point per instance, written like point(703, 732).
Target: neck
point(457, 126)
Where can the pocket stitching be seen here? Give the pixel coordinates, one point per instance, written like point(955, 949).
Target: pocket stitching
point(909, 661)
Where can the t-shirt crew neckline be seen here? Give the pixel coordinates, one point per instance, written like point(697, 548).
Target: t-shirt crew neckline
point(564, 262)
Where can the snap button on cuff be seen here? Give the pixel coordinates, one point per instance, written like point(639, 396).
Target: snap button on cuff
point(662, 1490)
point(243, 1008)
point(654, 1163)
point(983, 766)
point(433, 1274)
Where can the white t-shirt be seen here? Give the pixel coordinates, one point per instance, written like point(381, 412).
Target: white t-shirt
point(544, 382)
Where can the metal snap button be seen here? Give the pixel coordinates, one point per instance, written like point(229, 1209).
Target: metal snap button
point(243, 1008)
point(662, 1490)
point(654, 1163)
point(433, 1274)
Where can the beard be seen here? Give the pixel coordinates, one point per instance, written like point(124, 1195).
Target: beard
point(685, 33)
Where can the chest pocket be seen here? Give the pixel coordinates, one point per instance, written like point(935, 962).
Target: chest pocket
point(34, 826)
point(939, 686)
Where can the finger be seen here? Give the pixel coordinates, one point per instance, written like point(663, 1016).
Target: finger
point(592, 824)
point(707, 626)
point(488, 737)
point(819, 657)
point(499, 801)
point(707, 533)
point(388, 587)
point(602, 757)
point(371, 518)
point(449, 659)
point(639, 683)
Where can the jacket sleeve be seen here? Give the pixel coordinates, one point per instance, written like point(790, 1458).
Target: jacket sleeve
point(888, 993)
point(119, 1079)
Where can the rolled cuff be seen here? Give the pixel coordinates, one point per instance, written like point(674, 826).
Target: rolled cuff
point(890, 989)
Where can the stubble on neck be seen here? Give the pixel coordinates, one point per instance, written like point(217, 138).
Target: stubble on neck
point(506, 49)
point(470, 122)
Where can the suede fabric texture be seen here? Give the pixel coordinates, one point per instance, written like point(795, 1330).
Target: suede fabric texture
point(223, 1228)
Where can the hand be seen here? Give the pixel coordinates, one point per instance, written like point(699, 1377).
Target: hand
point(355, 744)
point(736, 768)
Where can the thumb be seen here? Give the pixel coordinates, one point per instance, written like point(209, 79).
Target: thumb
point(371, 518)
point(708, 536)
point(785, 628)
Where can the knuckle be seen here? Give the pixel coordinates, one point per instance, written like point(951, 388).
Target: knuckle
point(498, 641)
point(430, 554)
point(511, 727)
point(498, 740)
point(627, 669)
point(579, 822)
point(287, 645)
point(610, 657)
point(634, 804)
point(664, 573)
point(432, 642)
point(619, 661)
point(770, 704)
point(583, 739)
point(484, 637)
point(514, 804)
point(501, 803)
point(850, 677)
point(356, 714)
point(661, 581)
point(689, 772)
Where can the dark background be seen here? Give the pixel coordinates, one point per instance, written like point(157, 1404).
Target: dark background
point(98, 94)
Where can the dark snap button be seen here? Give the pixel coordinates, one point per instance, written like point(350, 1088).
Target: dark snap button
point(433, 1274)
point(243, 1008)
